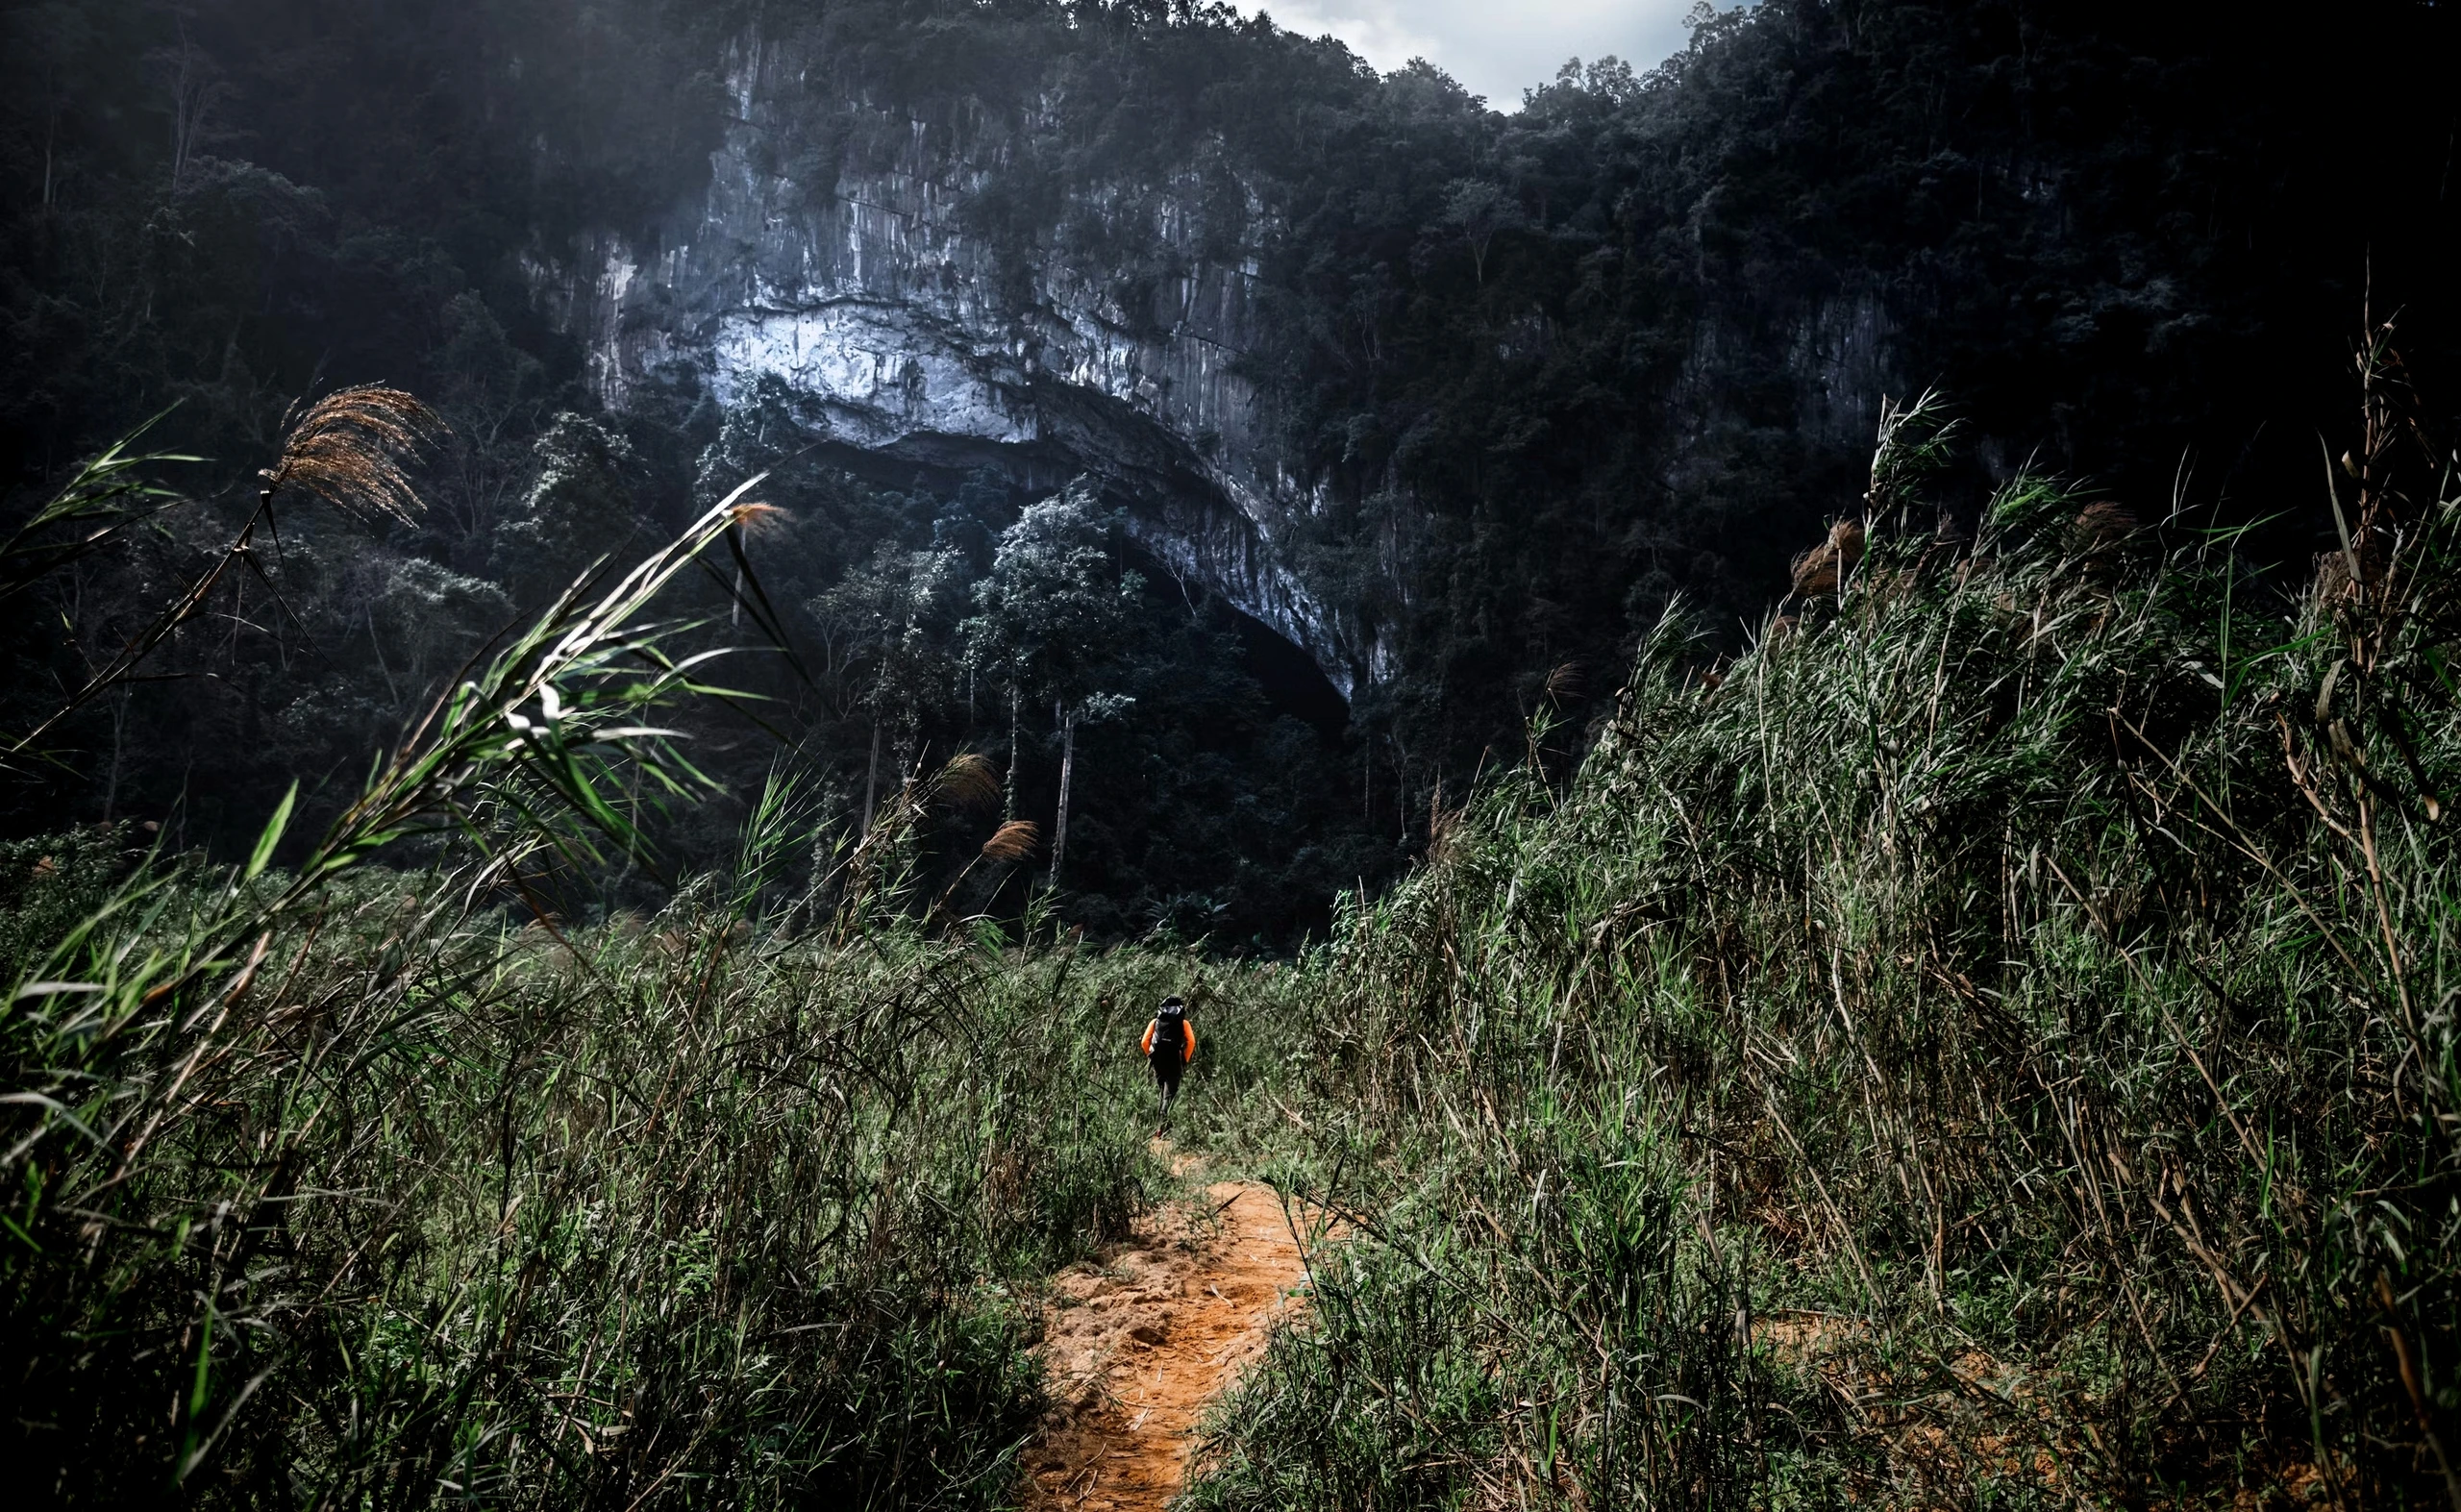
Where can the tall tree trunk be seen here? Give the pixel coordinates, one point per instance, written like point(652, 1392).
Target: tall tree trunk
point(119, 747)
point(1067, 773)
point(1008, 781)
point(872, 778)
point(1402, 791)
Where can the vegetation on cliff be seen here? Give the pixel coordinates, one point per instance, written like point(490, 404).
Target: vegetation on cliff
point(1541, 373)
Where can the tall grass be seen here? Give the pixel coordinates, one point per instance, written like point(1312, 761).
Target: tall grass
point(671, 1211)
point(340, 1185)
point(347, 451)
point(1992, 1044)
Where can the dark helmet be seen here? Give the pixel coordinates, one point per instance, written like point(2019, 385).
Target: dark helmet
point(1173, 1002)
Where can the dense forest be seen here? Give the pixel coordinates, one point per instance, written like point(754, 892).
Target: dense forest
point(1542, 374)
point(1826, 885)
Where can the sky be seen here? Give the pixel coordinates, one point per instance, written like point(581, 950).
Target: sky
point(1496, 48)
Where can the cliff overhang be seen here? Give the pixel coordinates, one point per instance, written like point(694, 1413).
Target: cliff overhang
point(922, 340)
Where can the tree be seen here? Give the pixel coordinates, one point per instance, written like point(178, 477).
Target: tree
point(194, 89)
point(888, 629)
point(1479, 210)
point(1051, 618)
point(580, 509)
point(490, 393)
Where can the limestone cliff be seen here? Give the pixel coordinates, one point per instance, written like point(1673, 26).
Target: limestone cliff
point(871, 267)
point(955, 284)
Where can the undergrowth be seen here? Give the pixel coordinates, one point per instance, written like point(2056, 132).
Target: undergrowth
point(369, 1181)
point(672, 1208)
point(1990, 1045)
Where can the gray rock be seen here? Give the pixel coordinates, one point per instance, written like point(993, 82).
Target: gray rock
point(927, 345)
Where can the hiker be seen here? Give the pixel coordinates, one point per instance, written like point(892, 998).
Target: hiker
point(1169, 1046)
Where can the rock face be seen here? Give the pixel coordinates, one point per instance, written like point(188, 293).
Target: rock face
point(880, 271)
point(950, 288)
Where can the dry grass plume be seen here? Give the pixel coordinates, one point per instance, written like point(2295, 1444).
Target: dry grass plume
point(1818, 571)
point(1012, 841)
point(349, 449)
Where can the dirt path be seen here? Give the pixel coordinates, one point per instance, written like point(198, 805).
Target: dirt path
point(1138, 1345)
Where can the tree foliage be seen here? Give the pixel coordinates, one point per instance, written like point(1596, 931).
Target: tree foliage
point(1536, 376)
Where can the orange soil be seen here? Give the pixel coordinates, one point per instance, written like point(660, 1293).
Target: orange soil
point(1137, 1347)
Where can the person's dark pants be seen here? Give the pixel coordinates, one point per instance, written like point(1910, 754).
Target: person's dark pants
point(1166, 1074)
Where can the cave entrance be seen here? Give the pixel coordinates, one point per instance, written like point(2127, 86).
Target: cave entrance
point(1291, 680)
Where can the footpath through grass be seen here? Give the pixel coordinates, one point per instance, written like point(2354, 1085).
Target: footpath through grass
point(330, 1185)
point(675, 1211)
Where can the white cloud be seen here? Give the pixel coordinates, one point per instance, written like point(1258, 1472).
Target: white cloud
point(1494, 49)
